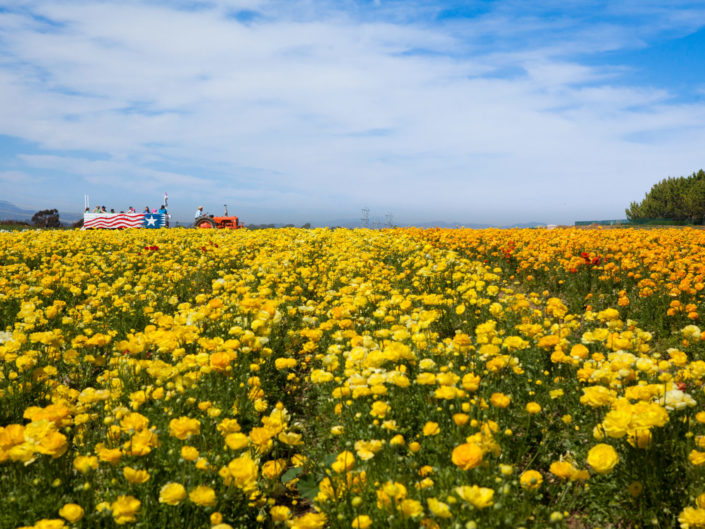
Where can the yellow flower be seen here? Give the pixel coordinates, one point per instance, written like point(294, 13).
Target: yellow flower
point(696, 458)
point(617, 422)
point(272, 469)
point(691, 517)
point(343, 462)
point(431, 428)
point(602, 458)
point(285, 363)
point(467, 456)
point(596, 396)
point(71, 512)
point(397, 440)
point(85, 464)
point(189, 453)
point(461, 419)
point(203, 496)
point(241, 472)
point(480, 497)
point(337, 430)
point(45, 523)
point(579, 351)
point(500, 400)
point(361, 522)
point(125, 509)
point(142, 443)
point(471, 382)
point(54, 444)
point(425, 470)
point(426, 379)
point(220, 361)
point(172, 493)
point(563, 470)
point(530, 480)
point(237, 441)
point(438, 508)
point(390, 491)
point(109, 455)
point(262, 438)
point(184, 427)
point(134, 421)
point(366, 450)
point(135, 476)
point(227, 426)
point(311, 520)
point(533, 408)
point(410, 508)
point(379, 409)
point(290, 438)
point(280, 513)
point(556, 393)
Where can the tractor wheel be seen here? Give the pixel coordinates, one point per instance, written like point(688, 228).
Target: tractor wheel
point(204, 223)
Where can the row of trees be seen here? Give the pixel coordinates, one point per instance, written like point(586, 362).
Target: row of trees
point(681, 199)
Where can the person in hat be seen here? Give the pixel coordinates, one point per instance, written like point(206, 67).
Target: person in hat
point(199, 212)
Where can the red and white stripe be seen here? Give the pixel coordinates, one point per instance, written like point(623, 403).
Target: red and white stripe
point(112, 220)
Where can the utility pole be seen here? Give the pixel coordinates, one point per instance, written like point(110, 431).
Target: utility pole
point(365, 219)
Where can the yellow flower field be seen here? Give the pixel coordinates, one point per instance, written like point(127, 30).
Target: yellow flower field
point(352, 378)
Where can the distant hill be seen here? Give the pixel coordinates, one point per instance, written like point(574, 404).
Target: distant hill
point(350, 223)
point(8, 211)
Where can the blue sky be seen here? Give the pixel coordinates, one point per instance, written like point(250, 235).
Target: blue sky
point(300, 111)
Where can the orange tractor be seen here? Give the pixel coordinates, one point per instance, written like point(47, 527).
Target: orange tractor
point(211, 222)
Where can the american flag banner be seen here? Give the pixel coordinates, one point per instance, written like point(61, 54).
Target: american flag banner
point(113, 221)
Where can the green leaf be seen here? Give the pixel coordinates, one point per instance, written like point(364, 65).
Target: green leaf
point(308, 487)
point(290, 474)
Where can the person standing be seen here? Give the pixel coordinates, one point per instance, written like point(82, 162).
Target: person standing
point(165, 215)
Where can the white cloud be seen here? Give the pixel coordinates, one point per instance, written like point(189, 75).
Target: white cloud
point(328, 113)
point(14, 177)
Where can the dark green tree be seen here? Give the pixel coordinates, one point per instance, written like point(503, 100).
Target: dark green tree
point(46, 218)
point(680, 199)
